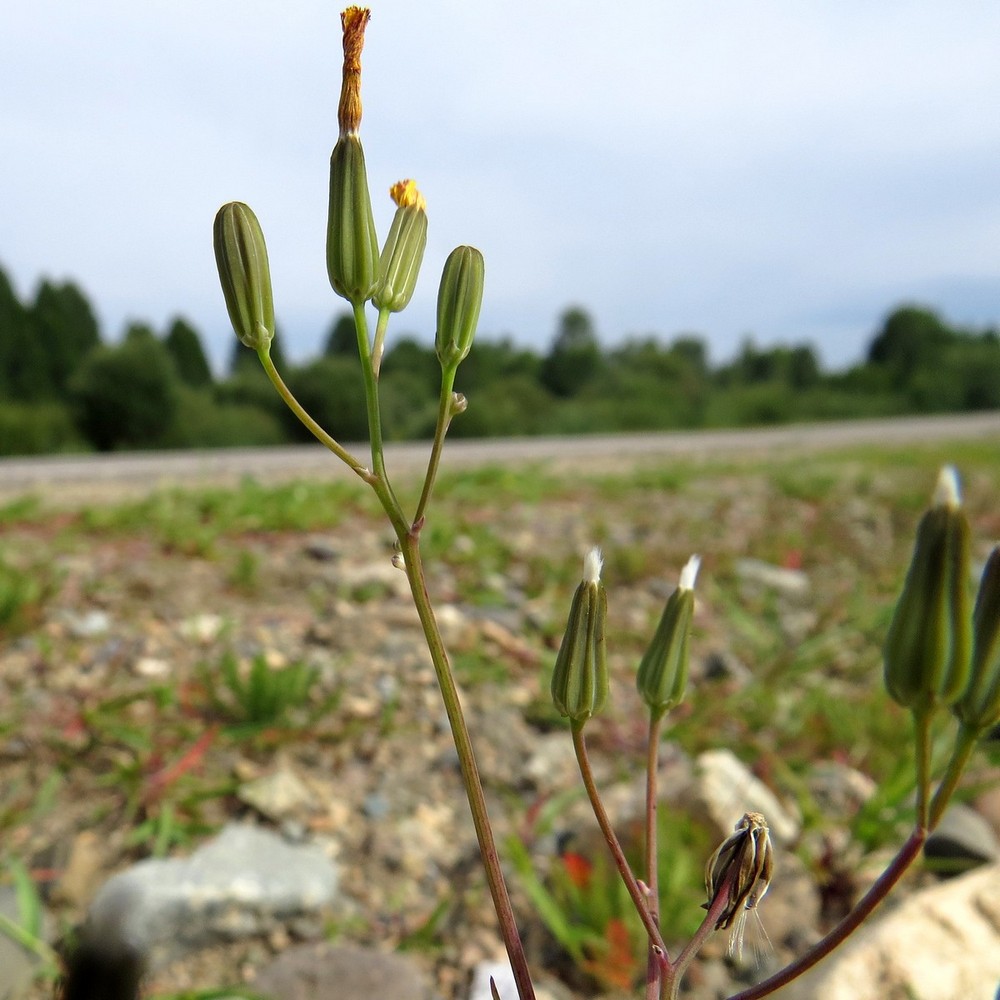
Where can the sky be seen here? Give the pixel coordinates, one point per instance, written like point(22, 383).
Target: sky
point(789, 170)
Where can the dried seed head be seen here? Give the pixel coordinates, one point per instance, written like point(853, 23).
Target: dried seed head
point(741, 867)
point(354, 20)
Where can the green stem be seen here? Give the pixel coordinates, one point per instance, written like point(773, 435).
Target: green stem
point(380, 328)
point(965, 743)
point(372, 401)
point(638, 896)
point(409, 543)
point(314, 428)
point(653, 965)
point(445, 413)
point(672, 979)
point(922, 742)
point(883, 884)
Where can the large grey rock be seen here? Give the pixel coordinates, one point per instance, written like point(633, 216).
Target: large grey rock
point(244, 882)
point(962, 836)
point(942, 943)
point(325, 970)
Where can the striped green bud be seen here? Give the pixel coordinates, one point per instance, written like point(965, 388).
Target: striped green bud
point(663, 672)
point(351, 240)
point(403, 252)
point(927, 647)
point(459, 300)
point(241, 256)
point(979, 706)
point(580, 678)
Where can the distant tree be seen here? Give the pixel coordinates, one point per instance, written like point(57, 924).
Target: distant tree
point(126, 396)
point(692, 351)
point(24, 369)
point(184, 346)
point(342, 338)
point(492, 361)
point(408, 355)
point(139, 331)
point(332, 393)
point(64, 324)
point(575, 354)
point(911, 338)
point(802, 369)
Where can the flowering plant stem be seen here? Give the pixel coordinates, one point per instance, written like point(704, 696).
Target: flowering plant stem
point(653, 965)
point(639, 897)
point(408, 539)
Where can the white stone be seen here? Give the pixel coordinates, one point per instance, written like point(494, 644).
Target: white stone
point(724, 789)
point(942, 943)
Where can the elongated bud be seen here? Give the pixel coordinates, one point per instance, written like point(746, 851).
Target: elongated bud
point(979, 706)
point(351, 240)
point(241, 256)
point(927, 646)
point(743, 864)
point(663, 671)
point(459, 300)
point(580, 678)
point(403, 252)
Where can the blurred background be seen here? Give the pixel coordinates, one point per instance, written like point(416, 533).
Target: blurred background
point(692, 214)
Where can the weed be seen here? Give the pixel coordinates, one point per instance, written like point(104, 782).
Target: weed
point(259, 695)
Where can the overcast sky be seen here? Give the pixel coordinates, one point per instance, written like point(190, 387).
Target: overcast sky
point(787, 169)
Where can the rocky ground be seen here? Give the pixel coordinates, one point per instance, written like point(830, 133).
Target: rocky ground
point(121, 739)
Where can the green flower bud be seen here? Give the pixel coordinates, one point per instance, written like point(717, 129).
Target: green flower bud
point(927, 646)
point(241, 256)
point(403, 252)
point(459, 301)
point(663, 671)
point(979, 706)
point(351, 240)
point(580, 678)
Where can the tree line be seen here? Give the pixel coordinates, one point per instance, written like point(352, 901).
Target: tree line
point(63, 388)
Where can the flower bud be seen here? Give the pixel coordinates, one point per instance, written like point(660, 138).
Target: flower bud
point(979, 706)
point(403, 252)
point(459, 301)
point(927, 646)
point(580, 678)
point(663, 671)
point(351, 240)
point(744, 862)
point(241, 256)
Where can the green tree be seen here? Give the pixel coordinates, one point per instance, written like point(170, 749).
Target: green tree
point(126, 396)
point(24, 370)
point(911, 338)
point(184, 345)
point(64, 324)
point(332, 393)
point(575, 355)
point(342, 340)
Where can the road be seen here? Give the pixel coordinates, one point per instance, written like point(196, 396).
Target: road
point(70, 478)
